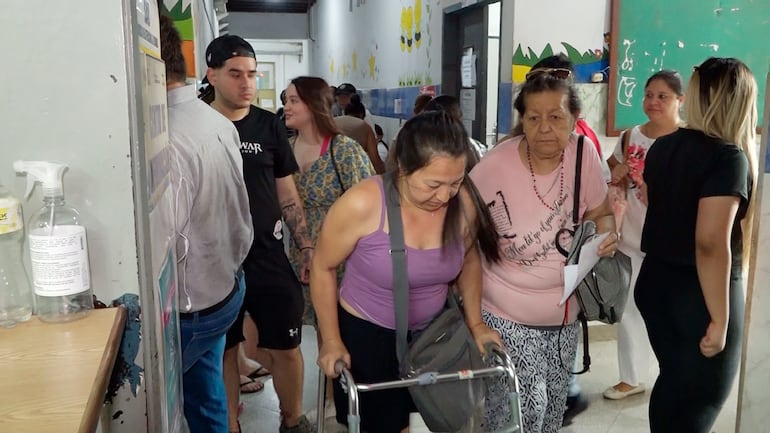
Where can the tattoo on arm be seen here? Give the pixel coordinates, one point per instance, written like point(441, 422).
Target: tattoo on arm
point(295, 219)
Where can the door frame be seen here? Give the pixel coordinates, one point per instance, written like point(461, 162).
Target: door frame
point(451, 60)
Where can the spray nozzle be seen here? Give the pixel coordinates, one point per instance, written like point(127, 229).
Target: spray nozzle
point(49, 174)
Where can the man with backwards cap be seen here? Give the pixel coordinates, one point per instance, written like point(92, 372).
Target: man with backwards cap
point(208, 174)
point(273, 294)
point(342, 95)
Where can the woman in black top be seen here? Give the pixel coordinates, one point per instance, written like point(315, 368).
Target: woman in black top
point(699, 183)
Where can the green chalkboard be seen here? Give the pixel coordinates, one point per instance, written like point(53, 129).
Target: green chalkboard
point(649, 35)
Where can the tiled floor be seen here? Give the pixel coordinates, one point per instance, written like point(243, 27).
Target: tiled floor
point(260, 413)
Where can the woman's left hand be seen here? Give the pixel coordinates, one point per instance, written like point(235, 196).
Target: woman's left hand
point(609, 245)
point(643, 193)
point(484, 335)
point(715, 339)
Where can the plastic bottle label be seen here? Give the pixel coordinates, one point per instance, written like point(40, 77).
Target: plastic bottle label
point(59, 261)
point(10, 215)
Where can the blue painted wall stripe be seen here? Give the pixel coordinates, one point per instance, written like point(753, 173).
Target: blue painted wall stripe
point(381, 102)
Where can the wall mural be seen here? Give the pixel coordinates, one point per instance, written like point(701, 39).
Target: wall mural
point(412, 35)
point(578, 29)
point(181, 12)
point(586, 64)
point(398, 52)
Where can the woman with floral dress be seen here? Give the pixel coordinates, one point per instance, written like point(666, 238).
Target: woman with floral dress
point(329, 162)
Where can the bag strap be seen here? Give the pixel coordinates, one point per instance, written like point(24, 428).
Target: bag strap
point(398, 257)
point(578, 169)
point(575, 211)
point(334, 163)
point(575, 200)
point(625, 136)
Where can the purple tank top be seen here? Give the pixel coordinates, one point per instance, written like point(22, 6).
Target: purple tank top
point(368, 280)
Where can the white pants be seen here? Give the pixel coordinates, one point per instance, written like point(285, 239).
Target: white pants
point(633, 344)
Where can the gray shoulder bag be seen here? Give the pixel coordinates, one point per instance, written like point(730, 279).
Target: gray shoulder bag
point(446, 345)
point(602, 294)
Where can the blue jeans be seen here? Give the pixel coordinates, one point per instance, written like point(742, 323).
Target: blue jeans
point(203, 345)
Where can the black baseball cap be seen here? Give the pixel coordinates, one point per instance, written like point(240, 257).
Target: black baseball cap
point(345, 89)
point(226, 47)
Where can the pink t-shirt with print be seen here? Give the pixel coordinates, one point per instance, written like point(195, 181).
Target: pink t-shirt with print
point(526, 286)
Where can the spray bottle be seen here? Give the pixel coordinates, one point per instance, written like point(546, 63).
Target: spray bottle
point(57, 248)
point(15, 294)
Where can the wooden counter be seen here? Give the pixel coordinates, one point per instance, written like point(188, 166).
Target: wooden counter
point(53, 376)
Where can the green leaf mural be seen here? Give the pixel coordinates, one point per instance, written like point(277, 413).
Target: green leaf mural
point(176, 12)
point(182, 19)
point(547, 51)
point(577, 58)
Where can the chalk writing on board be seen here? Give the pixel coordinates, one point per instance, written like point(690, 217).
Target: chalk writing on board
point(628, 61)
point(626, 88)
point(662, 54)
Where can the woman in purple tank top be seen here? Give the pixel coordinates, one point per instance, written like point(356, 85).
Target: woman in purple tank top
point(446, 229)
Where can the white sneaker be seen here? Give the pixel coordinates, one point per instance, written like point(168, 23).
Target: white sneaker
point(613, 393)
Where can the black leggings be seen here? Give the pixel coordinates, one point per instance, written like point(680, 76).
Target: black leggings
point(373, 357)
point(691, 389)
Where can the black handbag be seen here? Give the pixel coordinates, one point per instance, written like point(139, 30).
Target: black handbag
point(445, 346)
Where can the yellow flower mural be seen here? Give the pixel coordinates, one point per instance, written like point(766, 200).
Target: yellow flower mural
point(407, 23)
point(354, 62)
point(412, 35)
point(411, 26)
point(417, 24)
point(372, 64)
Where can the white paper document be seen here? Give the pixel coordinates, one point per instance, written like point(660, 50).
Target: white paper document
point(573, 274)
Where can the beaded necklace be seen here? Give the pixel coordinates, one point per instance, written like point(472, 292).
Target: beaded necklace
point(534, 183)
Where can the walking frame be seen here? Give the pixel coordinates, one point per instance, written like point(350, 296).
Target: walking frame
point(501, 365)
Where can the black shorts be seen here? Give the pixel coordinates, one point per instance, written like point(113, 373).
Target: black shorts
point(372, 351)
point(275, 303)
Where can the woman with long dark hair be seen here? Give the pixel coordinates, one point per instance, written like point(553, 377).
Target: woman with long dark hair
point(447, 229)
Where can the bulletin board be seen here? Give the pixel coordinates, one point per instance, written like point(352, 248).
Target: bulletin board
point(647, 36)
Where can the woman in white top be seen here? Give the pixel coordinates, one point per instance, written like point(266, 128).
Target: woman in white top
point(663, 96)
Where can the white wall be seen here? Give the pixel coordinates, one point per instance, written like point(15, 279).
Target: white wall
point(578, 23)
point(206, 29)
point(253, 25)
point(66, 99)
point(288, 64)
point(363, 46)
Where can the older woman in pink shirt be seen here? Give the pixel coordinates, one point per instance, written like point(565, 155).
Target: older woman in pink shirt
point(528, 183)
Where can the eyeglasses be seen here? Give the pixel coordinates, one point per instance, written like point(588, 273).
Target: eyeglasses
point(559, 73)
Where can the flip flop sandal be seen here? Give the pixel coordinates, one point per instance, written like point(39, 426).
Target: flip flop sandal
point(251, 386)
point(260, 372)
